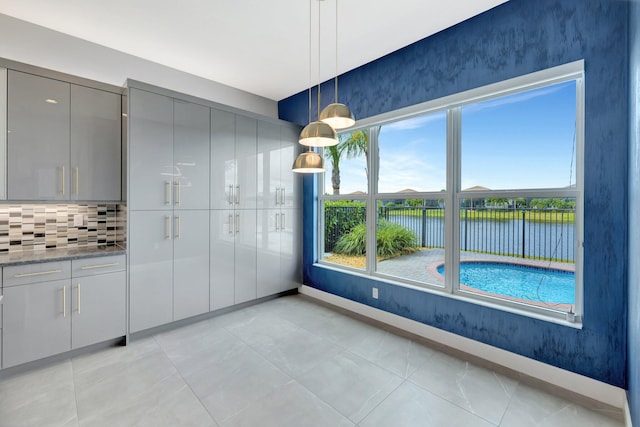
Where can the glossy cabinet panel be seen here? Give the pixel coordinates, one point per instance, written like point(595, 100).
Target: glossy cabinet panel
point(34, 273)
point(151, 168)
point(291, 182)
point(268, 255)
point(98, 308)
point(269, 165)
point(150, 269)
point(246, 158)
point(291, 248)
point(245, 256)
point(38, 138)
point(190, 263)
point(191, 156)
point(222, 258)
point(37, 321)
point(96, 147)
point(223, 159)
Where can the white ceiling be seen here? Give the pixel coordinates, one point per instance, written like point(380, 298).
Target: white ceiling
point(261, 47)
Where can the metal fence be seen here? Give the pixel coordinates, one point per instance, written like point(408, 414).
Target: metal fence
point(528, 233)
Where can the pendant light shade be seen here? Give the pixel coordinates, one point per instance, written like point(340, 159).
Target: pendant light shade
point(308, 162)
point(337, 115)
point(318, 134)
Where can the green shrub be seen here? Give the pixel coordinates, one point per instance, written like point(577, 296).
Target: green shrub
point(392, 240)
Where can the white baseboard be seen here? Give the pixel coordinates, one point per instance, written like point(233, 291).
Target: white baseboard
point(576, 383)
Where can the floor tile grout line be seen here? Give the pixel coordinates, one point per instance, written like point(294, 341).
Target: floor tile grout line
point(155, 337)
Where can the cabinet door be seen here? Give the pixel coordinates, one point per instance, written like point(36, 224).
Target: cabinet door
point(98, 308)
point(190, 263)
point(191, 155)
point(269, 165)
point(290, 249)
point(151, 171)
point(223, 159)
point(95, 144)
point(151, 269)
point(291, 182)
point(246, 157)
point(222, 254)
point(38, 138)
point(268, 247)
point(3, 135)
point(245, 257)
point(37, 321)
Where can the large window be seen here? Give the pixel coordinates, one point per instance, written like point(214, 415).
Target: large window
point(477, 195)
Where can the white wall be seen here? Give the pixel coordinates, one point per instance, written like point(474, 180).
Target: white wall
point(25, 42)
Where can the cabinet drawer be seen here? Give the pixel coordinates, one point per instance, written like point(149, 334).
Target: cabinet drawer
point(90, 266)
point(35, 273)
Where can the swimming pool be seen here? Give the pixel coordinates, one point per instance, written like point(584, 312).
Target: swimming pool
point(519, 281)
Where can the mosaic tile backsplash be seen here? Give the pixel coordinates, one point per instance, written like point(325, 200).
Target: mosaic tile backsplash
point(26, 227)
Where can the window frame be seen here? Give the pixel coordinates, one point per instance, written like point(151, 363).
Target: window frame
point(453, 195)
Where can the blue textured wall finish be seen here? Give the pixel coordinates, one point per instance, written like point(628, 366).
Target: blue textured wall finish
point(634, 212)
point(516, 38)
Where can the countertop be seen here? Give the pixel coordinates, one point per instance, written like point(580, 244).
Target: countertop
point(29, 257)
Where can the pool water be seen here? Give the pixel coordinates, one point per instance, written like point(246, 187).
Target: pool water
point(519, 281)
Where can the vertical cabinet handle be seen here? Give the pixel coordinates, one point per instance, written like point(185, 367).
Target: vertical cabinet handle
point(78, 289)
point(77, 183)
point(277, 196)
point(237, 223)
point(178, 192)
point(177, 219)
point(282, 222)
point(238, 195)
point(230, 195)
point(230, 223)
point(277, 222)
point(167, 231)
point(282, 196)
point(64, 301)
point(167, 192)
point(63, 180)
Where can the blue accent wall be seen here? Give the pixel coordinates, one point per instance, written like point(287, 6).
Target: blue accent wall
point(513, 39)
point(634, 212)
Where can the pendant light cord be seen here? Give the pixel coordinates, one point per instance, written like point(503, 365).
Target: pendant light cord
point(318, 60)
point(310, 45)
point(336, 82)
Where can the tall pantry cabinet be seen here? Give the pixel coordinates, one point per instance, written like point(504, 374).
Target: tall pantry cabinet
point(212, 204)
point(168, 203)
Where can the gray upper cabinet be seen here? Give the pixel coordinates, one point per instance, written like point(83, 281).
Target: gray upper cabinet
point(246, 158)
point(96, 147)
point(38, 138)
point(223, 159)
point(191, 156)
point(151, 170)
point(64, 140)
point(278, 187)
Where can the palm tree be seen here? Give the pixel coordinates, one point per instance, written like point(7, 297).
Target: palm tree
point(353, 145)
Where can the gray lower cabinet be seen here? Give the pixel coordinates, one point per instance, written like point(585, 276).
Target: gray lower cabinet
point(279, 248)
point(47, 312)
point(190, 263)
point(150, 269)
point(98, 300)
point(233, 257)
point(169, 266)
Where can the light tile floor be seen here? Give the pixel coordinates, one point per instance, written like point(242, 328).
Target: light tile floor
point(285, 362)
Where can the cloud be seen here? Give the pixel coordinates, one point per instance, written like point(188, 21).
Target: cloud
point(513, 99)
point(414, 122)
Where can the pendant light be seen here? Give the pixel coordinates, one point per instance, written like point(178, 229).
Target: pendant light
point(318, 133)
point(337, 115)
point(315, 132)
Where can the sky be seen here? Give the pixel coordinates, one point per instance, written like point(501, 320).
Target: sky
point(525, 140)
